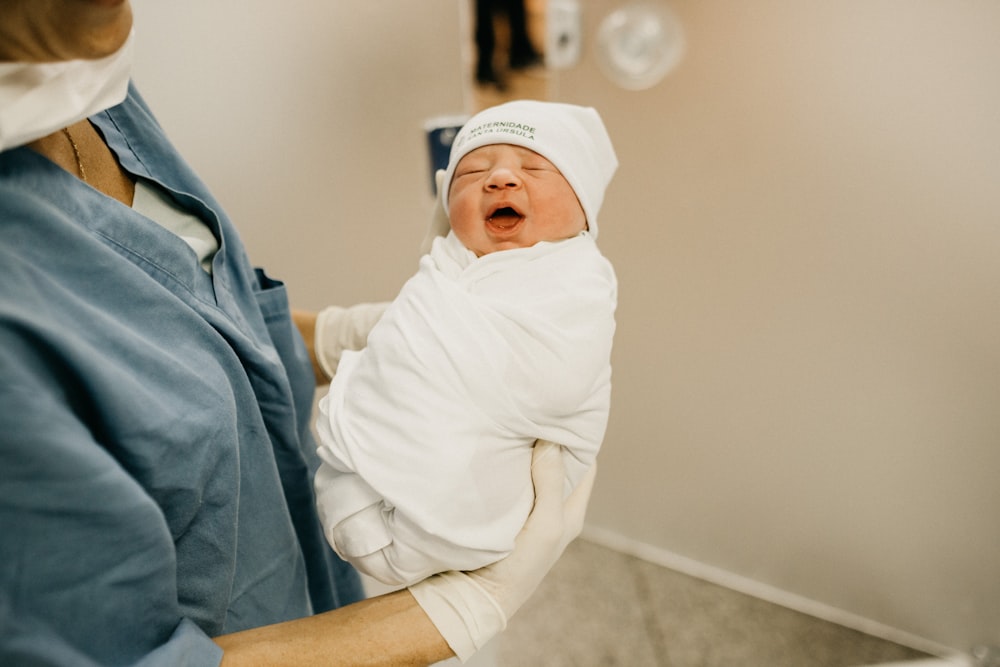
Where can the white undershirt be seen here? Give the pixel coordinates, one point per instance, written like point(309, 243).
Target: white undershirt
point(151, 201)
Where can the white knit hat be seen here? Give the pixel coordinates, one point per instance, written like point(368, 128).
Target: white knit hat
point(572, 138)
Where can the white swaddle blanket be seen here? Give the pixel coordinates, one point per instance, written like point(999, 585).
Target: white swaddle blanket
point(426, 434)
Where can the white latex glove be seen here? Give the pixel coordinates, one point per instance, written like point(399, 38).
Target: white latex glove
point(470, 608)
point(339, 329)
point(439, 223)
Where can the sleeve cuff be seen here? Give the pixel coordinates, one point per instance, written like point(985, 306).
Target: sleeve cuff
point(465, 615)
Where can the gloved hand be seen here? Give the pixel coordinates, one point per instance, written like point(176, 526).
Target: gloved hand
point(470, 608)
point(339, 329)
point(439, 224)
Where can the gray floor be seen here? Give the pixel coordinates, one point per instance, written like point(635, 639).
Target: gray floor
point(600, 608)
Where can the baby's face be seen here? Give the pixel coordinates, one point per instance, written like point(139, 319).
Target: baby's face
point(505, 197)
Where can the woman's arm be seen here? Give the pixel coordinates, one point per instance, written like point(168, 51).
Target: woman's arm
point(305, 321)
point(457, 613)
point(387, 630)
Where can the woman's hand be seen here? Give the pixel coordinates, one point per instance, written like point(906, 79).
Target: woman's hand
point(335, 329)
point(469, 608)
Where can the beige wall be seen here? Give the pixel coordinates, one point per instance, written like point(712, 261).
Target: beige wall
point(806, 225)
point(307, 118)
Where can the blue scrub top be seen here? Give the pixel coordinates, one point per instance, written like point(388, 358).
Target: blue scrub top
point(155, 453)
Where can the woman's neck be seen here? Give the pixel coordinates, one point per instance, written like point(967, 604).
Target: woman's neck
point(80, 150)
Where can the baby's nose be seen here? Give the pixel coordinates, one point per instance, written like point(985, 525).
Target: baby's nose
point(503, 179)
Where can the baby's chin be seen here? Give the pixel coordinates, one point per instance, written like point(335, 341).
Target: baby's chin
point(514, 244)
point(501, 247)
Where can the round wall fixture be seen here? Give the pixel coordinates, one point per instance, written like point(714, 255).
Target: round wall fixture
point(639, 44)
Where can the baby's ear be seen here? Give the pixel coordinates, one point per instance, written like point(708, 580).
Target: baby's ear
point(438, 182)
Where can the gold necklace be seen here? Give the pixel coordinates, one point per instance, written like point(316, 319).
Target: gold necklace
point(76, 154)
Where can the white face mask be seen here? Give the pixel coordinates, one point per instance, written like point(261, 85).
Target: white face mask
point(37, 99)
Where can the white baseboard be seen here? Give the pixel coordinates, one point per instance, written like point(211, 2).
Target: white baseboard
point(741, 584)
point(932, 662)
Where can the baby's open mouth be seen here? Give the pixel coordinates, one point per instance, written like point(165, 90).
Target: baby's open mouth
point(504, 217)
